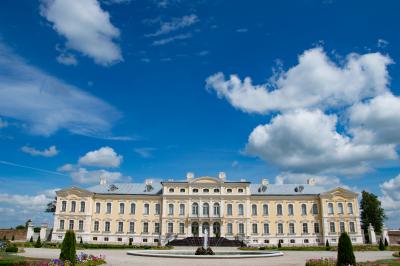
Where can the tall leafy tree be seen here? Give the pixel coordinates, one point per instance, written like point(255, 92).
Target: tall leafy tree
point(371, 212)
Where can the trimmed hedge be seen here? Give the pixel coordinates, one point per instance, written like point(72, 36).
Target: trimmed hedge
point(13, 249)
point(116, 246)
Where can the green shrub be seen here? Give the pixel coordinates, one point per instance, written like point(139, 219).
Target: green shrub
point(345, 255)
point(396, 254)
point(381, 245)
point(12, 248)
point(327, 246)
point(31, 240)
point(38, 243)
point(4, 237)
point(81, 242)
point(386, 242)
point(130, 241)
point(68, 247)
point(321, 262)
point(13, 238)
point(279, 244)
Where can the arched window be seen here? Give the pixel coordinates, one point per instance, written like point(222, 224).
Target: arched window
point(216, 209)
point(133, 208)
point(146, 209)
point(303, 209)
point(216, 190)
point(170, 209)
point(265, 209)
point(330, 208)
point(121, 208)
point(254, 209)
point(290, 209)
point(206, 209)
point(229, 209)
point(182, 209)
point(73, 206)
point(280, 228)
point(350, 208)
point(171, 190)
point(195, 209)
point(206, 190)
point(195, 190)
point(279, 210)
point(305, 228)
point(241, 210)
point(182, 190)
point(315, 208)
point(82, 206)
point(340, 208)
point(291, 229)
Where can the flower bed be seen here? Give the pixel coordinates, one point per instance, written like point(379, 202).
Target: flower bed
point(82, 259)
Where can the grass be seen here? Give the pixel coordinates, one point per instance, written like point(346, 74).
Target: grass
point(92, 246)
point(11, 259)
point(322, 248)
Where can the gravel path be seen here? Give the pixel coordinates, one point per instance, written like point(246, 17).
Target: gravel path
point(119, 257)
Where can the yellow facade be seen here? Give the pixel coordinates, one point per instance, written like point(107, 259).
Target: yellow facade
point(258, 214)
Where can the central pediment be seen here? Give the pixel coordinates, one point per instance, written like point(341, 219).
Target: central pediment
point(205, 180)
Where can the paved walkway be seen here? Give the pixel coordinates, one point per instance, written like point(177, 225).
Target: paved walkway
point(119, 257)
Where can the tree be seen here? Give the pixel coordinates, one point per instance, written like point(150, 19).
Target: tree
point(279, 244)
point(68, 247)
point(386, 242)
point(327, 246)
point(27, 223)
point(51, 206)
point(38, 243)
point(81, 242)
point(4, 237)
point(31, 240)
point(13, 238)
point(371, 212)
point(20, 227)
point(381, 245)
point(345, 255)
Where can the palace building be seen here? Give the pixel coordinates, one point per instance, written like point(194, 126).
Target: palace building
point(157, 213)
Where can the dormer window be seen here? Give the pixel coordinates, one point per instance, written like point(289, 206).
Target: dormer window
point(216, 190)
point(171, 190)
point(240, 190)
point(206, 190)
point(229, 190)
point(195, 190)
point(182, 190)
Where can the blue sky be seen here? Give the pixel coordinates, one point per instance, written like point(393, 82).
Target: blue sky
point(133, 90)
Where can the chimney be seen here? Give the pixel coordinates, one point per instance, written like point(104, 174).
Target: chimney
point(103, 181)
point(311, 181)
point(264, 182)
point(189, 176)
point(148, 182)
point(222, 175)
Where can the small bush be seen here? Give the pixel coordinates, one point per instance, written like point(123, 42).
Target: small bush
point(13, 249)
point(396, 254)
point(203, 251)
point(31, 240)
point(381, 245)
point(13, 238)
point(68, 247)
point(321, 262)
point(386, 242)
point(38, 243)
point(345, 255)
point(327, 246)
point(279, 244)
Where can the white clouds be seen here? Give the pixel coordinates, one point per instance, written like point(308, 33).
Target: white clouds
point(3, 123)
point(391, 197)
point(172, 39)
point(83, 176)
point(50, 152)
point(328, 182)
point(307, 141)
point(316, 81)
point(103, 157)
point(381, 43)
point(67, 59)
point(175, 24)
point(377, 120)
point(46, 104)
point(242, 30)
point(146, 152)
point(86, 27)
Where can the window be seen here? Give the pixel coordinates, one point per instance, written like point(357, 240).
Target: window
point(73, 206)
point(241, 210)
point(171, 190)
point(63, 206)
point(330, 208)
point(119, 239)
point(280, 241)
point(80, 225)
point(158, 210)
point(352, 227)
point(340, 208)
point(229, 190)
point(182, 190)
point(229, 209)
point(120, 227)
point(106, 239)
point(341, 227)
point(350, 207)
point(315, 208)
point(216, 209)
point(216, 190)
point(332, 227)
point(181, 228)
point(96, 226)
point(107, 226)
point(290, 209)
point(230, 229)
point(95, 238)
point(195, 209)
point(292, 241)
point(61, 224)
point(266, 241)
point(155, 240)
point(254, 227)
point(82, 206)
point(131, 227)
point(182, 209)
point(253, 209)
point(133, 208)
point(146, 209)
point(206, 190)
point(144, 240)
point(71, 225)
point(265, 209)
point(170, 209)
point(306, 241)
point(145, 227)
point(291, 229)
point(279, 209)
point(97, 207)
point(266, 229)
point(316, 228)
point(280, 228)
point(156, 227)
point(195, 190)
point(121, 208)
point(170, 228)
point(241, 229)
point(305, 228)
point(206, 209)
point(240, 190)
point(303, 209)
point(108, 207)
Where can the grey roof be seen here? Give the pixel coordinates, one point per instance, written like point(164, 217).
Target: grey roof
point(127, 188)
point(286, 189)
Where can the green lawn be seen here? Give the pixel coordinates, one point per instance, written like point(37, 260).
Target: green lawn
point(11, 259)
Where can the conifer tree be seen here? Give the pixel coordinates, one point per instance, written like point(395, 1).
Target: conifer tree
point(31, 240)
point(68, 247)
point(345, 255)
point(381, 245)
point(386, 242)
point(327, 246)
point(38, 243)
